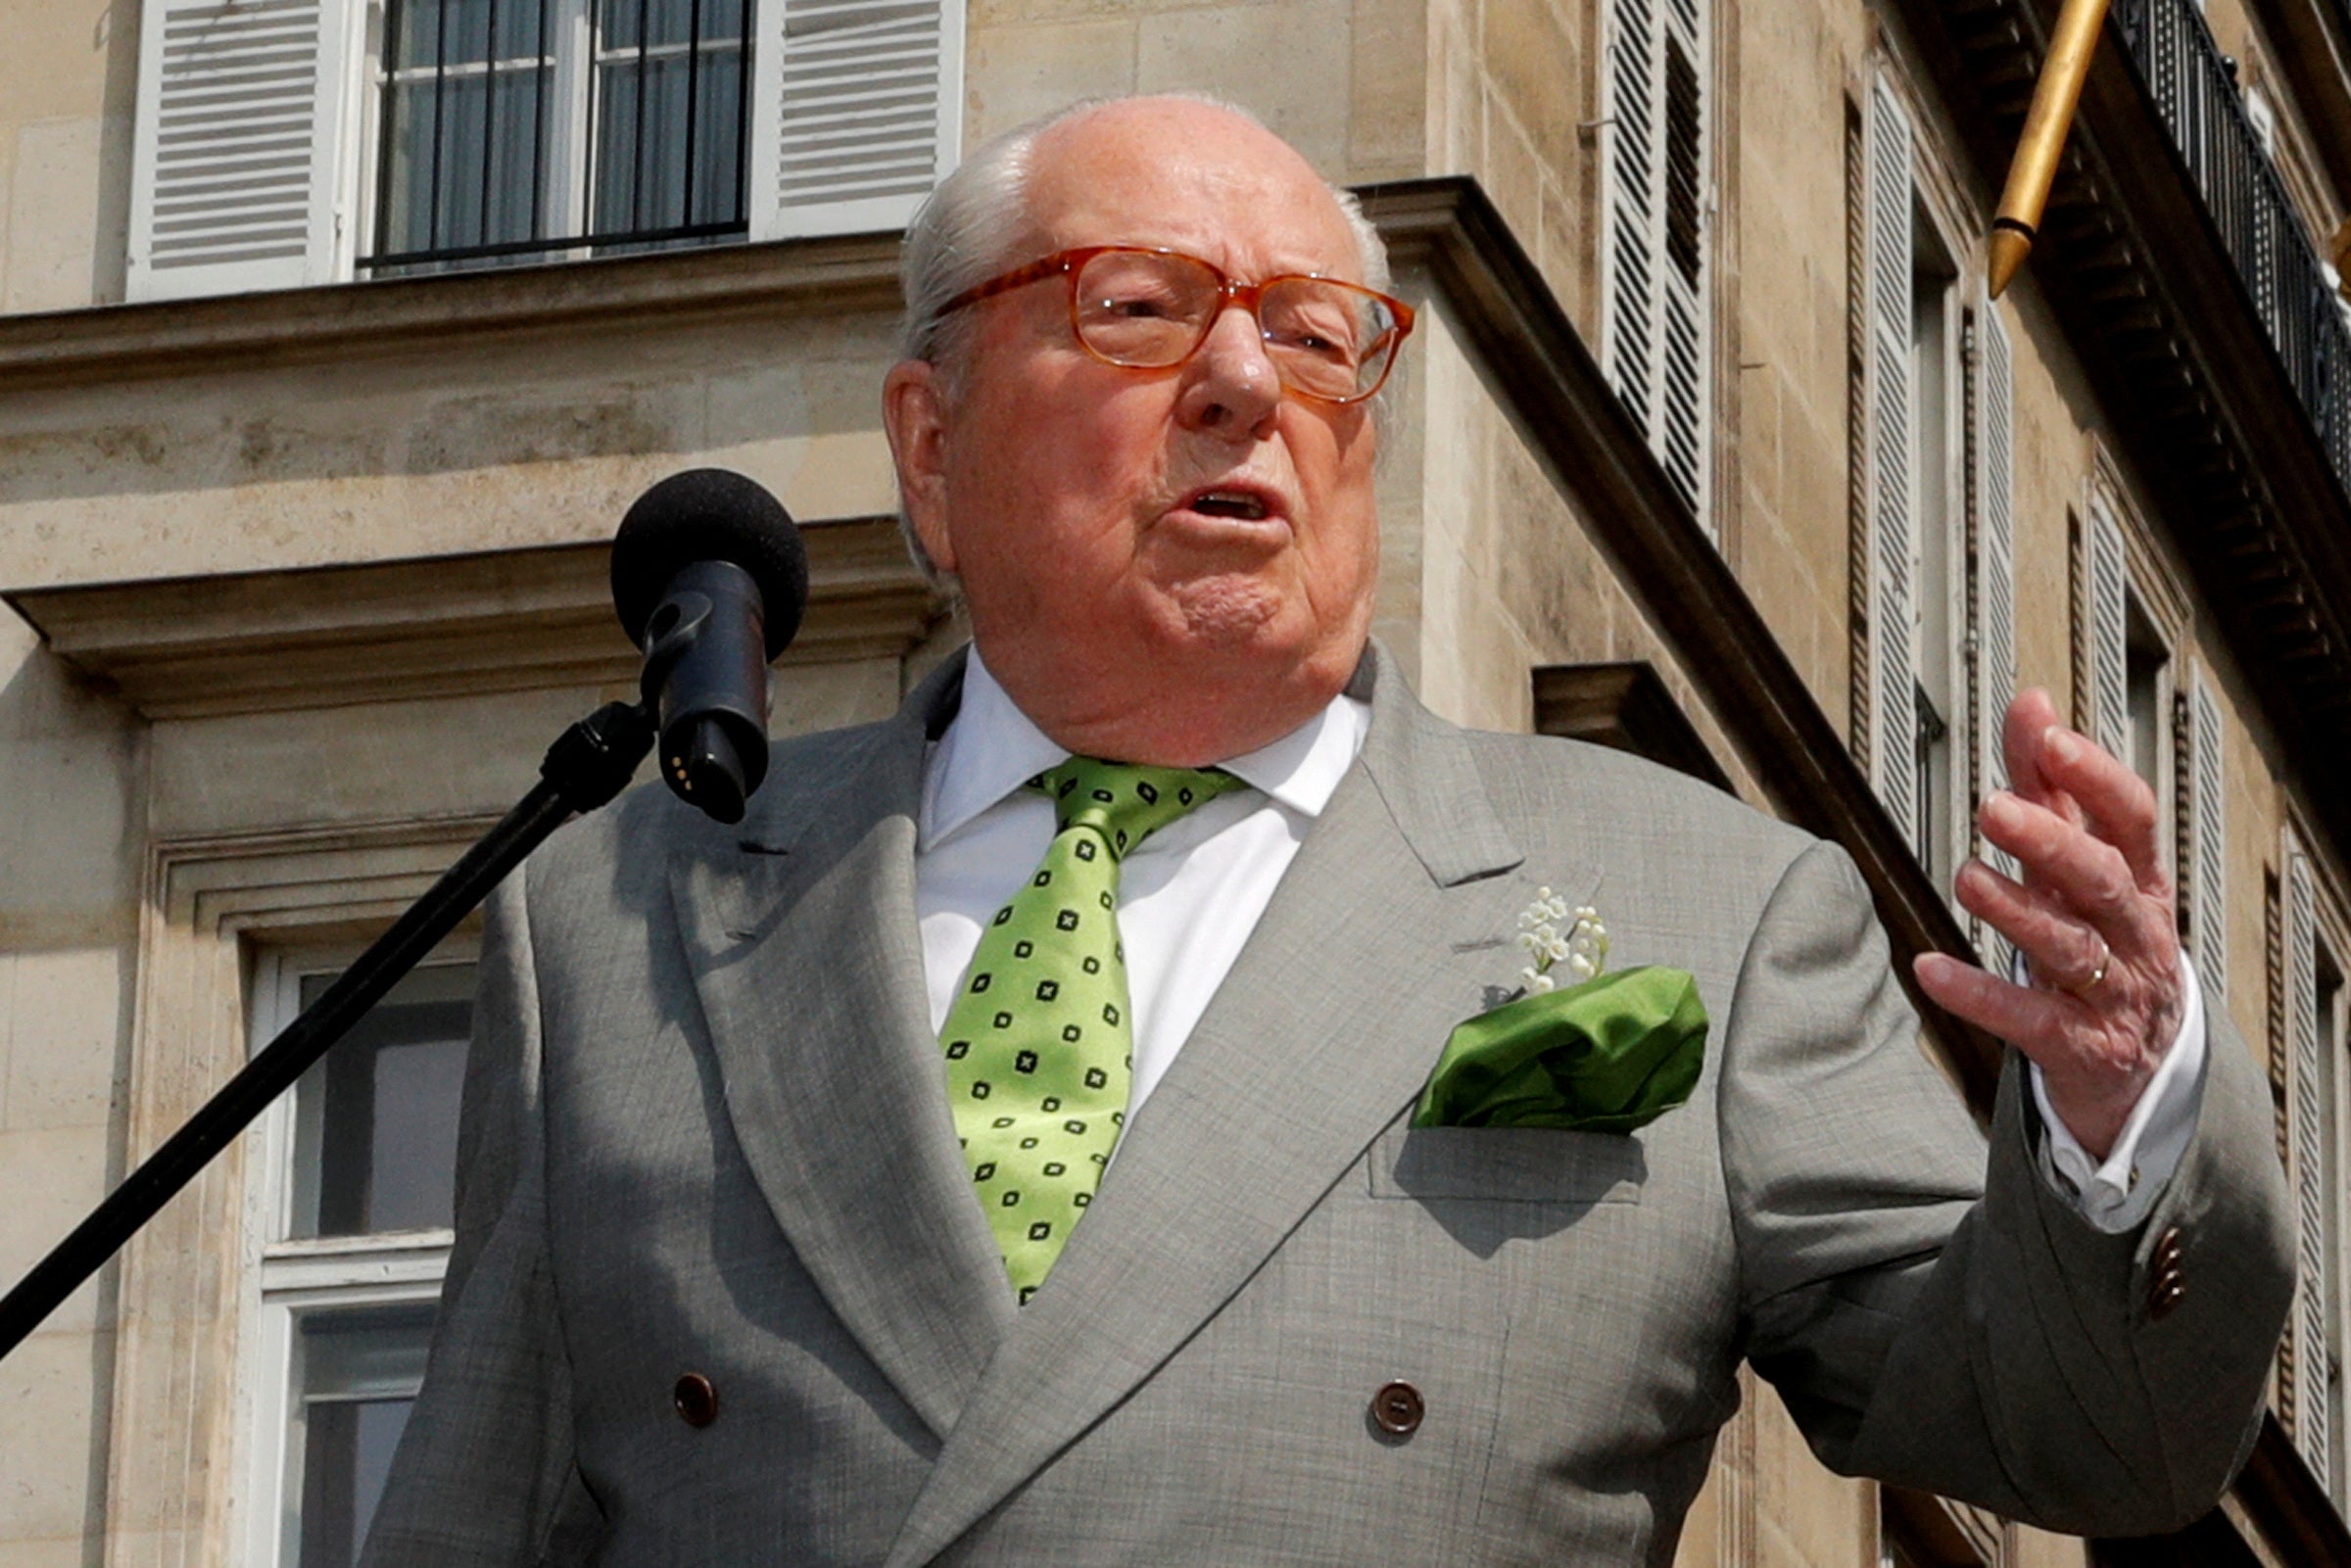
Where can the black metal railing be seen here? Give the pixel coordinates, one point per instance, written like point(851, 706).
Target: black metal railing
point(2196, 92)
point(516, 129)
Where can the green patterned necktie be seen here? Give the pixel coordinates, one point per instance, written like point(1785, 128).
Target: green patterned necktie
point(1039, 1044)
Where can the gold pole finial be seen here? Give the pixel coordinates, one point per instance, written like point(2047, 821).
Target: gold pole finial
point(2051, 117)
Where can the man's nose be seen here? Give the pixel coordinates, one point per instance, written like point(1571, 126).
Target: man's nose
point(1231, 387)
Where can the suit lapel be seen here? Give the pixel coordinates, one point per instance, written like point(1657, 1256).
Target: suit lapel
point(801, 933)
point(1324, 1030)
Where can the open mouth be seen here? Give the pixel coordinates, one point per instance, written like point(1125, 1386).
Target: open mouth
point(1229, 503)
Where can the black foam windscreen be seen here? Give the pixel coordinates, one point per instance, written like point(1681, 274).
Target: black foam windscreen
point(710, 514)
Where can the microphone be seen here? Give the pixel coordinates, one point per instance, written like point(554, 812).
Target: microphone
point(710, 579)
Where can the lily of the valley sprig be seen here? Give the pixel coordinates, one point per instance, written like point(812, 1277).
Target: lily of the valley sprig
point(1583, 948)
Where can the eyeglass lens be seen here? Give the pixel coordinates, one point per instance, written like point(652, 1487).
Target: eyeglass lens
point(1326, 338)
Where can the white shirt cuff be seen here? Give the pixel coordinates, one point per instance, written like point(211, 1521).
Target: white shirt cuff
point(2118, 1193)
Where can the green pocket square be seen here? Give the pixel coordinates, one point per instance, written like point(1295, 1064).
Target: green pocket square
point(1609, 1055)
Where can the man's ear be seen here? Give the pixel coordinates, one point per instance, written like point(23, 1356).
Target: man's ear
point(914, 414)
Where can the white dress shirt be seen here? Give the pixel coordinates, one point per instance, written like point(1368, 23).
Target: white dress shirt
point(1190, 895)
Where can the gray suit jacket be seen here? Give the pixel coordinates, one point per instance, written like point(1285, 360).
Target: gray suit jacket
point(705, 1133)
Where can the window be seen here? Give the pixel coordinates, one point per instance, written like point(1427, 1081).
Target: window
point(2146, 697)
point(481, 155)
point(1940, 683)
point(1933, 546)
point(353, 1201)
point(290, 142)
point(2129, 614)
point(1655, 320)
point(2311, 930)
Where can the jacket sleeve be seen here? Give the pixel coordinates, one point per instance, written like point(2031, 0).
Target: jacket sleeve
point(1994, 1347)
point(485, 1472)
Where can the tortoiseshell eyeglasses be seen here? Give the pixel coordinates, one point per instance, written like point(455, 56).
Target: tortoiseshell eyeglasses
point(1150, 309)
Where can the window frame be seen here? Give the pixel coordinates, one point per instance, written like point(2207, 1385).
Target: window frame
point(285, 1278)
point(185, 1342)
point(566, 198)
point(2322, 1404)
point(1939, 633)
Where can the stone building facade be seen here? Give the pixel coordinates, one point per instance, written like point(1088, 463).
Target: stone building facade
point(1712, 446)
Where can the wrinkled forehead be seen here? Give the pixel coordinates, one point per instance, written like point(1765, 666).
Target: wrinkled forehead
point(1194, 178)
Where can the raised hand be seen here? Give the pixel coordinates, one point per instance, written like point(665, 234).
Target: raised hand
point(2093, 916)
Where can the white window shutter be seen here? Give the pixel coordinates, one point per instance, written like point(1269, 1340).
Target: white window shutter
point(1894, 529)
point(1654, 286)
point(857, 113)
point(1994, 618)
point(2313, 1125)
point(238, 159)
point(1628, 313)
point(1680, 437)
point(2109, 629)
point(2208, 870)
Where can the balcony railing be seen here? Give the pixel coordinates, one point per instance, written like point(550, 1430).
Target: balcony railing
point(2196, 92)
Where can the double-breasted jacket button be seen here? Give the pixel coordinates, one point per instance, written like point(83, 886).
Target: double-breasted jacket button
point(1397, 1409)
point(696, 1399)
point(2167, 1284)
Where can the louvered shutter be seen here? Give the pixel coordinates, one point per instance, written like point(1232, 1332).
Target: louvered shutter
point(1993, 629)
point(1654, 285)
point(1893, 532)
point(2108, 629)
point(2208, 869)
point(238, 158)
point(2312, 1127)
point(1629, 318)
point(857, 113)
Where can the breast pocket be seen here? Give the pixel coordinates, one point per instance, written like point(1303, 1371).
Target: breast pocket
point(1508, 1165)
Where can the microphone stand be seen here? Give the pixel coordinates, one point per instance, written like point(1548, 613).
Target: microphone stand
point(589, 764)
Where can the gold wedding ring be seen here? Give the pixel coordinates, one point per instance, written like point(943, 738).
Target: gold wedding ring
point(2097, 976)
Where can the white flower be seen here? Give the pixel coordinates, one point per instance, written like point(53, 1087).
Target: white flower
point(1583, 948)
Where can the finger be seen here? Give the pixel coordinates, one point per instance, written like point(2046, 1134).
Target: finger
point(2120, 806)
point(2086, 874)
point(2031, 716)
point(2047, 1025)
point(2062, 949)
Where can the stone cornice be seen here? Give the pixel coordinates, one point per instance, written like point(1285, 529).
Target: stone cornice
point(415, 315)
point(450, 626)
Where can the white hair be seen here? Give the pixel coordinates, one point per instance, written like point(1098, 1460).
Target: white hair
point(973, 227)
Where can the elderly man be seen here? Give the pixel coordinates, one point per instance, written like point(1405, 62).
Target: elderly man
point(1171, 866)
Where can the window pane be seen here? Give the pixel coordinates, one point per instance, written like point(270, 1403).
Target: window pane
point(669, 109)
point(376, 1122)
point(464, 126)
point(466, 26)
point(471, 94)
point(412, 33)
point(357, 1373)
point(717, 139)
